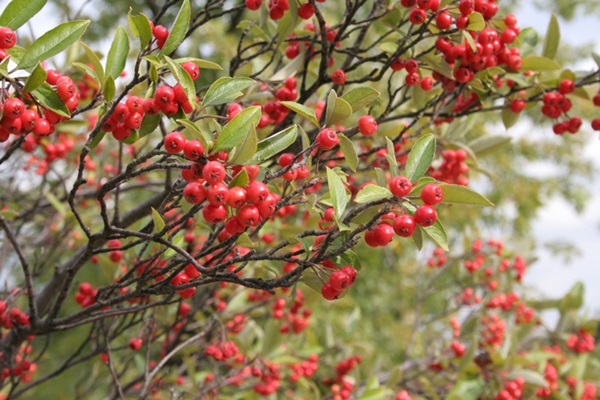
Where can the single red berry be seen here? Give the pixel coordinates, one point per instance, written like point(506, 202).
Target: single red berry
point(425, 215)
point(404, 225)
point(329, 293)
point(164, 95)
point(193, 150)
point(160, 33)
point(306, 11)
point(14, 108)
point(253, 4)
point(338, 77)
point(412, 79)
point(432, 194)
point(566, 86)
point(400, 186)
point(42, 127)
point(191, 69)
point(257, 192)
point(135, 344)
point(237, 197)
point(427, 83)
point(248, 215)
point(214, 214)
point(327, 139)
point(174, 142)
point(397, 64)
point(517, 105)
point(194, 193)
point(339, 280)
point(596, 100)
point(596, 124)
point(417, 16)
point(383, 234)
point(191, 272)
point(214, 172)
point(66, 89)
point(444, 20)
point(367, 125)
point(8, 38)
point(217, 194)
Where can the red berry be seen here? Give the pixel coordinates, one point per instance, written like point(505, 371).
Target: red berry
point(383, 234)
point(193, 150)
point(8, 38)
point(425, 215)
point(400, 186)
point(339, 280)
point(214, 214)
point(338, 77)
point(329, 293)
point(566, 86)
point(306, 10)
point(351, 272)
point(257, 192)
point(432, 194)
point(194, 193)
point(517, 105)
point(327, 139)
point(237, 197)
point(13, 108)
point(135, 344)
point(217, 194)
point(160, 33)
point(191, 69)
point(248, 215)
point(427, 83)
point(443, 20)
point(596, 124)
point(404, 225)
point(174, 142)
point(214, 172)
point(417, 16)
point(367, 125)
point(164, 95)
point(253, 4)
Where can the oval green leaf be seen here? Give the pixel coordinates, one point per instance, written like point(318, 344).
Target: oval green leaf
point(337, 193)
point(349, 151)
point(184, 79)
point(35, 79)
point(117, 55)
point(552, 38)
point(301, 110)
point(53, 42)
point(539, 64)
point(18, 12)
point(272, 145)
point(237, 129)
point(179, 29)
point(140, 27)
point(372, 192)
point(360, 97)
point(96, 64)
point(225, 89)
point(457, 194)
point(49, 99)
point(420, 157)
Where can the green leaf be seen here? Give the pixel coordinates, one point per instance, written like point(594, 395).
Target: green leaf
point(528, 376)
point(237, 129)
point(370, 193)
point(109, 88)
point(246, 149)
point(391, 158)
point(49, 99)
point(149, 124)
point(417, 238)
point(184, 79)
point(198, 134)
point(56, 203)
point(18, 12)
point(97, 139)
point(225, 89)
point(53, 42)
point(466, 390)
point(272, 145)
point(573, 300)
point(539, 64)
point(337, 192)
point(117, 55)
point(35, 79)
point(140, 27)
point(301, 110)
point(438, 64)
point(476, 22)
point(552, 38)
point(349, 151)
point(287, 24)
point(96, 64)
point(199, 62)
point(179, 29)
point(509, 118)
point(241, 179)
point(337, 109)
point(488, 144)
point(132, 138)
point(159, 222)
point(437, 233)
point(360, 97)
point(420, 157)
point(457, 194)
